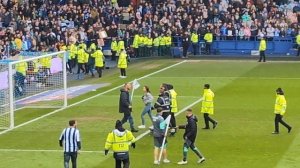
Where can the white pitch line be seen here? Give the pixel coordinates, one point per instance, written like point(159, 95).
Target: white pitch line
point(181, 111)
point(84, 100)
point(137, 138)
point(43, 150)
point(227, 77)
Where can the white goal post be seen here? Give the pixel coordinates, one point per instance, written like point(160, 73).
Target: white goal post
point(34, 80)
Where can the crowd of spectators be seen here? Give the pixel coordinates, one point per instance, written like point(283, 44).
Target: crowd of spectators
point(35, 25)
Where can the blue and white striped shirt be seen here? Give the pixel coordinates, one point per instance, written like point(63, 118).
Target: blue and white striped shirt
point(71, 139)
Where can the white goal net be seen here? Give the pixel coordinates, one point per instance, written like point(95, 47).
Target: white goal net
point(32, 80)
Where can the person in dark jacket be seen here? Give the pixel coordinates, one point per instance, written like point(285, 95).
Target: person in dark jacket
point(189, 137)
point(125, 106)
point(163, 101)
point(185, 44)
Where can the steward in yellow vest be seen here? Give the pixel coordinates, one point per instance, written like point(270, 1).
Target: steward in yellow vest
point(208, 106)
point(174, 108)
point(156, 45)
point(149, 43)
point(99, 61)
point(81, 59)
point(162, 45)
point(114, 49)
point(122, 63)
point(135, 45)
point(208, 37)
point(119, 141)
point(298, 43)
point(121, 45)
point(280, 108)
point(262, 49)
point(195, 40)
point(142, 43)
point(168, 41)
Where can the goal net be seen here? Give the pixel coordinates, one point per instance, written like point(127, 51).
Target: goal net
point(32, 80)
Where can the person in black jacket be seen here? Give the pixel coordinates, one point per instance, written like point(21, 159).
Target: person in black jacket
point(189, 137)
point(185, 44)
point(125, 106)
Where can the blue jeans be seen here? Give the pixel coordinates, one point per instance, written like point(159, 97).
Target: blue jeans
point(147, 110)
point(68, 156)
point(128, 117)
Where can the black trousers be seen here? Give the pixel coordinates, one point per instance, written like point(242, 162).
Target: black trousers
point(123, 71)
point(262, 56)
point(185, 49)
point(278, 119)
point(298, 53)
point(207, 47)
point(126, 163)
point(207, 119)
point(195, 48)
point(99, 70)
point(113, 55)
point(165, 115)
point(173, 120)
point(72, 156)
point(80, 67)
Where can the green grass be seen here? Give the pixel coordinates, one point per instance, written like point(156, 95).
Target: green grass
point(244, 102)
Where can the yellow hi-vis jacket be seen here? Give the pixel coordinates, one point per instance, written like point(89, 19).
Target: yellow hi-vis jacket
point(81, 56)
point(208, 37)
point(119, 141)
point(121, 46)
point(156, 41)
point(62, 48)
point(174, 107)
point(162, 41)
point(122, 61)
point(99, 57)
point(136, 41)
point(73, 51)
point(262, 45)
point(114, 46)
point(83, 45)
point(194, 38)
point(149, 41)
point(168, 40)
point(208, 102)
point(298, 39)
point(21, 67)
point(280, 105)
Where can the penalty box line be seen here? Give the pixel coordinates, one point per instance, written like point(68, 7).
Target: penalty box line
point(84, 100)
point(137, 138)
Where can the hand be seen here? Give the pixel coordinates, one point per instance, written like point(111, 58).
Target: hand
point(185, 137)
point(133, 145)
point(105, 152)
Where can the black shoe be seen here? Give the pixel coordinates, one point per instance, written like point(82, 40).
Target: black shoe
point(289, 129)
point(275, 132)
point(134, 130)
point(215, 125)
point(205, 128)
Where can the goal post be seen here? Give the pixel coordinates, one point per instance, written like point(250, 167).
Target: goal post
point(32, 80)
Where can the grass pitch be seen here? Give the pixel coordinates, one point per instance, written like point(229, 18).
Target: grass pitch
point(244, 104)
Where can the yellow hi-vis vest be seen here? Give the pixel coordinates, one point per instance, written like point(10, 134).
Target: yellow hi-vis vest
point(73, 51)
point(21, 67)
point(156, 41)
point(114, 46)
point(93, 46)
point(262, 45)
point(298, 39)
point(149, 42)
point(121, 45)
point(136, 41)
point(174, 107)
point(122, 61)
point(162, 41)
point(98, 55)
point(208, 37)
point(168, 40)
point(81, 56)
point(208, 102)
point(119, 141)
point(194, 38)
point(280, 105)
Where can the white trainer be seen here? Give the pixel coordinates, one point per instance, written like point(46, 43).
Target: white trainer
point(141, 126)
point(156, 162)
point(201, 160)
point(166, 161)
point(182, 162)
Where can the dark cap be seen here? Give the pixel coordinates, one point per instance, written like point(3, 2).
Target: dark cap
point(118, 124)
